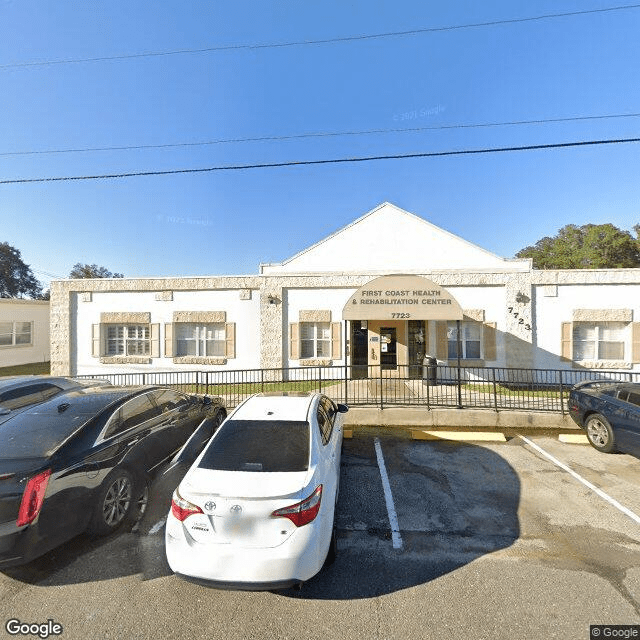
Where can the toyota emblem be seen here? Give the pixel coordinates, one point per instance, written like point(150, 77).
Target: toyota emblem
point(210, 506)
point(236, 510)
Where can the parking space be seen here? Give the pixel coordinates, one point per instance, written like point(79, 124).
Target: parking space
point(497, 541)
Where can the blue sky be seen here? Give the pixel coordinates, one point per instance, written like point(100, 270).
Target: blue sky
point(228, 222)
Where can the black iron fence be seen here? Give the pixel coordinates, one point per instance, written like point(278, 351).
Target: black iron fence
point(495, 388)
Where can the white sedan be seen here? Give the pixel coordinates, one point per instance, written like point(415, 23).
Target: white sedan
point(256, 510)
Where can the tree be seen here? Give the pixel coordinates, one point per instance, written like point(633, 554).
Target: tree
point(92, 271)
point(590, 246)
point(16, 278)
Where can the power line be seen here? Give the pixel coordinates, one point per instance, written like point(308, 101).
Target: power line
point(433, 154)
point(46, 273)
point(299, 43)
point(320, 134)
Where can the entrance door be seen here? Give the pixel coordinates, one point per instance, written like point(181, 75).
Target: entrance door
point(359, 350)
point(388, 348)
point(388, 353)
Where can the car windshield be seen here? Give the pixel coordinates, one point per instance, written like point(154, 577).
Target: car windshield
point(259, 445)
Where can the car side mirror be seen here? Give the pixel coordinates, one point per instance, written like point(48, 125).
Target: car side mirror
point(206, 401)
point(342, 408)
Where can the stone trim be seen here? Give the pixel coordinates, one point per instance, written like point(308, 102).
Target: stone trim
point(200, 316)
point(473, 314)
point(86, 296)
point(125, 317)
point(125, 360)
point(198, 360)
point(466, 362)
point(314, 315)
point(602, 315)
point(164, 296)
point(312, 362)
point(602, 364)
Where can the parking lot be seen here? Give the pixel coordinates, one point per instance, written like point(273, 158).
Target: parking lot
point(493, 540)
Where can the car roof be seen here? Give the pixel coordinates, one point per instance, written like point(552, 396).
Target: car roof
point(12, 382)
point(87, 400)
point(276, 406)
point(37, 432)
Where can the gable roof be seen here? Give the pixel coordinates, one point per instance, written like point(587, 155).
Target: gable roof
point(390, 239)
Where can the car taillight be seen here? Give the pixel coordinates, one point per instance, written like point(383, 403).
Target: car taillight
point(303, 512)
point(182, 508)
point(32, 498)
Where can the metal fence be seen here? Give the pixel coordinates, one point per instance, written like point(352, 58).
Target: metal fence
point(436, 386)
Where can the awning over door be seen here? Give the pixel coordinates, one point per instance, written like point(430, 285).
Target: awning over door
point(402, 297)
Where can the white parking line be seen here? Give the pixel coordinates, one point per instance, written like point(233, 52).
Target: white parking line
point(388, 498)
point(586, 483)
point(157, 526)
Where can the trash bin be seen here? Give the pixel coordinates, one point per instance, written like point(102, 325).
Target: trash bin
point(429, 370)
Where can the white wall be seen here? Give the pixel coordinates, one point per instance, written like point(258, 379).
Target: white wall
point(36, 312)
point(244, 313)
point(551, 311)
point(396, 241)
point(314, 299)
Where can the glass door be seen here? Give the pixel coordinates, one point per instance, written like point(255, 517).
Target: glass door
point(388, 348)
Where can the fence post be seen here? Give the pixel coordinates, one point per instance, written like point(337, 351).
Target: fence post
point(495, 389)
point(381, 403)
point(320, 379)
point(561, 393)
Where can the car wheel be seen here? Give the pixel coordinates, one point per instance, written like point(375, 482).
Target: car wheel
point(115, 502)
point(333, 546)
point(600, 434)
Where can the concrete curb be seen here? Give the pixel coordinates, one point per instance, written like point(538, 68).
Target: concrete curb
point(459, 419)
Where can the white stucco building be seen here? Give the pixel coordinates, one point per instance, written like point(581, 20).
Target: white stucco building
point(359, 297)
point(24, 331)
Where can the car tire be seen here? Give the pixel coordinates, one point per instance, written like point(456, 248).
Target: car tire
point(600, 434)
point(115, 502)
point(333, 546)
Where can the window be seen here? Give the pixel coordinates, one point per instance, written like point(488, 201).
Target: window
point(326, 415)
point(259, 445)
point(14, 334)
point(131, 414)
point(315, 340)
point(128, 340)
point(168, 400)
point(25, 396)
point(200, 339)
point(599, 340)
point(470, 340)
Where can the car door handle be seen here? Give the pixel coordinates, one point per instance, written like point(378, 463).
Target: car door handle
point(132, 442)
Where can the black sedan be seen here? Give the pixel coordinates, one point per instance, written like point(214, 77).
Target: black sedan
point(81, 461)
point(610, 414)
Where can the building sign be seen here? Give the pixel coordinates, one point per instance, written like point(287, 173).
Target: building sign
point(402, 298)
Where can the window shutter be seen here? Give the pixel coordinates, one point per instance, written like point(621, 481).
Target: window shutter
point(489, 337)
point(168, 340)
point(96, 342)
point(635, 341)
point(336, 340)
point(441, 340)
point(155, 340)
point(230, 339)
point(294, 341)
point(566, 339)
